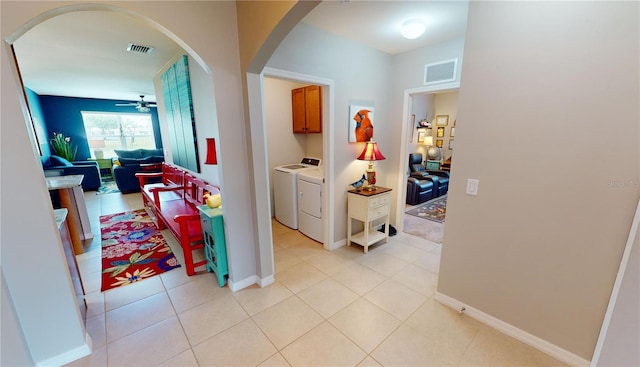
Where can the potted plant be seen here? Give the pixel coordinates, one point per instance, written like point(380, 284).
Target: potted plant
point(62, 147)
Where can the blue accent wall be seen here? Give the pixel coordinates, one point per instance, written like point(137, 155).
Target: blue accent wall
point(39, 122)
point(63, 114)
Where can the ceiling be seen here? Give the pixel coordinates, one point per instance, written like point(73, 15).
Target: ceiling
point(84, 54)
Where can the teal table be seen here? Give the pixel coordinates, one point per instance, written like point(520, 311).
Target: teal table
point(215, 248)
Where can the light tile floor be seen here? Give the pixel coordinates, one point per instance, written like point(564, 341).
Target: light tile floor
point(339, 308)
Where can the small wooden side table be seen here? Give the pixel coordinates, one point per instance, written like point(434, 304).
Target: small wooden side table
point(105, 165)
point(367, 207)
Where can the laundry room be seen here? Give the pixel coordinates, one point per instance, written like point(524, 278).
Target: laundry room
point(295, 152)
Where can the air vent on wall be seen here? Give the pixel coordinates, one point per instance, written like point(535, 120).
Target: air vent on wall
point(440, 72)
point(139, 48)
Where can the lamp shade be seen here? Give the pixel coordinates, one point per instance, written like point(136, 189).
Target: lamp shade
point(371, 152)
point(428, 141)
point(212, 157)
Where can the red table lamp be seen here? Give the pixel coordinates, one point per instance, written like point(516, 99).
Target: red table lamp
point(371, 153)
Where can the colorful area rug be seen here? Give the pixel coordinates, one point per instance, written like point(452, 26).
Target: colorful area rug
point(133, 249)
point(107, 187)
point(434, 210)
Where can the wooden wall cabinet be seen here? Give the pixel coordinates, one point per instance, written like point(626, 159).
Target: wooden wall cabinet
point(306, 105)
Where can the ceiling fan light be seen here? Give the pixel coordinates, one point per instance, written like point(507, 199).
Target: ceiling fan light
point(412, 28)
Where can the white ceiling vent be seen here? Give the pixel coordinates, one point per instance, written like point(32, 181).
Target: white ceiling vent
point(139, 48)
point(440, 72)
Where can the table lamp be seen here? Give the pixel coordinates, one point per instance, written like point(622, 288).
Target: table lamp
point(371, 153)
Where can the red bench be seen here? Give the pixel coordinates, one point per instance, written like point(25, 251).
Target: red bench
point(173, 203)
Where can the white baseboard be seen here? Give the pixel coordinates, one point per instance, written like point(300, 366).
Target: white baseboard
point(521, 335)
point(338, 244)
point(266, 281)
point(68, 356)
point(247, 282)
point(244, 283)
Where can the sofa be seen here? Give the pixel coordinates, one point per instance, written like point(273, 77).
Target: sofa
point(54, 165)
point(422, 184)
point(130, 162)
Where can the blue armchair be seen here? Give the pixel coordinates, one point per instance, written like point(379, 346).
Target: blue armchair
point(54, 165)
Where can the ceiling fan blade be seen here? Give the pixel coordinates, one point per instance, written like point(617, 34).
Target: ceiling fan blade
point(126, 104)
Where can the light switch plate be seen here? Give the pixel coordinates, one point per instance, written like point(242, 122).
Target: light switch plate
point(472, 186)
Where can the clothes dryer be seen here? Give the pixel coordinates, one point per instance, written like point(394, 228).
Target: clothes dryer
point(285, 190)
point(310, 188)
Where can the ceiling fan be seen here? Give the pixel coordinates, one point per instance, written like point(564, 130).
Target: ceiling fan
point(141, 105)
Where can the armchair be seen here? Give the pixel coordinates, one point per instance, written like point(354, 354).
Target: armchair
point(58, 166)
point(439, 178)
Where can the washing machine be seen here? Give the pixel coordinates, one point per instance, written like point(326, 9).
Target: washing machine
point(310, 187)
point(285, 190)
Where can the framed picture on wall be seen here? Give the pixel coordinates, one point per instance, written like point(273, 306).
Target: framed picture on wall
point(442, 120)
point(451, 144)
point(360, 123)
point(421, 135)
point(440, 132)
point(439, 143)
point(453, 132)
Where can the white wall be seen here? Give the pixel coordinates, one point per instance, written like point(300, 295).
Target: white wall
point(408, 74)
point(15, 351)
point(356, 82)
point(33, 260)
point(540, 245)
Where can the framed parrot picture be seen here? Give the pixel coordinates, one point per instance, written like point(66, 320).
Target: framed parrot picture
point(360, 123)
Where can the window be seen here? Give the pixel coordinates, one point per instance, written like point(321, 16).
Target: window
point(107, 132)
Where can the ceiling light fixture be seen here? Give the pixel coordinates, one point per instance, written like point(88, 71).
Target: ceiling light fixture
point(412, 28)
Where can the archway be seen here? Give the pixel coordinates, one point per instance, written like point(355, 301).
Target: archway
point(44, 309)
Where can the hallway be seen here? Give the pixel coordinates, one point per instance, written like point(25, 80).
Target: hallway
point(326, 308)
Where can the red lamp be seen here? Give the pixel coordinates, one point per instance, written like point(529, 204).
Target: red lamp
point(212, 157)
point(371, 153)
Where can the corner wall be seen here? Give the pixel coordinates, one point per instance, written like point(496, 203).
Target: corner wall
point(540, 245)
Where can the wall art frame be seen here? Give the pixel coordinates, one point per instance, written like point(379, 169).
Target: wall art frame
point(361, 119)
point(442, 120)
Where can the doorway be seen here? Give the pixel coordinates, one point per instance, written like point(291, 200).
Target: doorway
point(327, 145)
point(409, 143)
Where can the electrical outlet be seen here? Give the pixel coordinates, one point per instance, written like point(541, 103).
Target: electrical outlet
point(472, 186)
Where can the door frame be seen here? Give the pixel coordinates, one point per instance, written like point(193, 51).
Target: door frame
point(404, 142)
point(327, 147)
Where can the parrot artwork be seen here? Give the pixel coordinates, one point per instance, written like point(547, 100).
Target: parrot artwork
point(364, 127)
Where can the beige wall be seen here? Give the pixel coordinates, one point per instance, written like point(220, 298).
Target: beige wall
point(256, 21)
point(446, 104)
point(540, 245)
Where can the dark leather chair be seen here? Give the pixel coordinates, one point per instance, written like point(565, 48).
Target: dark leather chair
point(417, 170)
point(419, 190)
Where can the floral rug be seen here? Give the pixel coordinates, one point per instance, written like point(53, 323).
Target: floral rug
point(434, 210)
point(132, 249)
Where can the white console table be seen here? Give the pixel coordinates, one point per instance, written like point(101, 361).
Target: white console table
point(72, 198)
point(367, 207)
